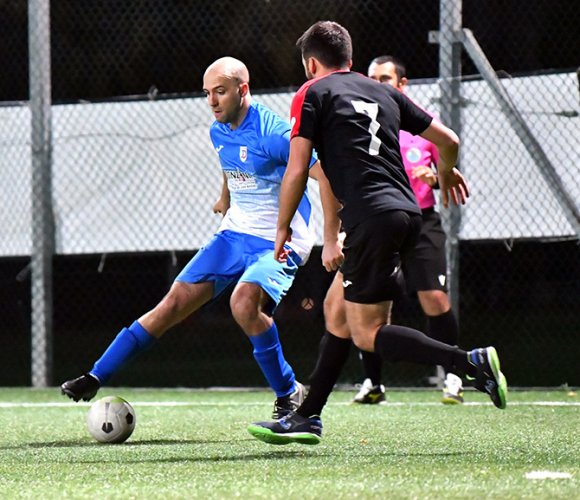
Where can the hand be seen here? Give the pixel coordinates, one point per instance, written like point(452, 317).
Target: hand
point(424, 174)
point(332, 256)
point(283, 235)
point(221, 206)
point(454, 184)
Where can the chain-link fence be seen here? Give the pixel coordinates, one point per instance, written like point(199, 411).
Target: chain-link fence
point(110, 187)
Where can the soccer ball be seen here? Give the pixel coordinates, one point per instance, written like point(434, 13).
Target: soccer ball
point(111, 420)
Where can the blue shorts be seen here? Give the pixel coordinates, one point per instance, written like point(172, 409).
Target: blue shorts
point(231, 257)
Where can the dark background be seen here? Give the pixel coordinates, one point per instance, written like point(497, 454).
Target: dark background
point(107, 48)
point(524, 301)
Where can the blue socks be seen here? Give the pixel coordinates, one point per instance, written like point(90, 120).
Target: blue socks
point(135, 339)
point(269, 356)
point(128, 343)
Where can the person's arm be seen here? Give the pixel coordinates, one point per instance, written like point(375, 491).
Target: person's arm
point(222, 204)
point(291, 192)
point(451, 182)
point(332, 256)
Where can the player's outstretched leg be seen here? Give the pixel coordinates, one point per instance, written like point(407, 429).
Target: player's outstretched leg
point(84, 387)
point(400, 343)
point(292, 428)
point(489, 378)
point(127, 344)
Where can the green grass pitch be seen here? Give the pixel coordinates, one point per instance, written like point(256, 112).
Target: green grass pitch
point(194, 444)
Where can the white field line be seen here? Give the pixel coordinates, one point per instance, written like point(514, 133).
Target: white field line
point(261, 403)
point(546, 474)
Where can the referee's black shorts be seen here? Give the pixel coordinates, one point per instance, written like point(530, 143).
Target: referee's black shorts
point(425, 267)
point(372, 255)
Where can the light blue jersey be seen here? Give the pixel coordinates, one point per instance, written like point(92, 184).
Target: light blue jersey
point(254, 158)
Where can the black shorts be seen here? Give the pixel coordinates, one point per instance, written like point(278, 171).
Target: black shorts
point(372, 256)
point(425, 267)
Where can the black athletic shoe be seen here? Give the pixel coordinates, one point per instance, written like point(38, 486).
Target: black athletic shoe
point(489, 378)
point(85, 387)
point(287, 404)
point(292, 428)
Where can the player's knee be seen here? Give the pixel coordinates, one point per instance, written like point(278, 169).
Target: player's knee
point(434, 302)
point(328, 307)
point(363, 337)
point(244, 307)
point(334, 315)
point(338, 328)
point(364, 341)
point(168, 310)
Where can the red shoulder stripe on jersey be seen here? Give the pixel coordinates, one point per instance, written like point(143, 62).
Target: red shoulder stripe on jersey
point(296, 108)
point(298, 103)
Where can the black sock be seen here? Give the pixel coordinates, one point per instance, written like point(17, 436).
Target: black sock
point(444, 328)
point(332, 356)
point(373, 365)
point(398, 343)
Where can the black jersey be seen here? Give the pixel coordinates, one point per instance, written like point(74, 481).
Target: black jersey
point(354, 125)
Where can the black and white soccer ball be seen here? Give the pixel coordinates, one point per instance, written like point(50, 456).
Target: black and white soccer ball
point(111, 420)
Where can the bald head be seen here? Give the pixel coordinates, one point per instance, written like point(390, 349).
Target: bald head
point(230, 68)
point(226, 86)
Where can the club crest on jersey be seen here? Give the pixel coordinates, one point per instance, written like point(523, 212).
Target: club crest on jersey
point(413, 155)
point(243, 153)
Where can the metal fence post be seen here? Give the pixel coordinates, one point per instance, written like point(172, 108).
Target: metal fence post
point(42, 213)
point(450, 24)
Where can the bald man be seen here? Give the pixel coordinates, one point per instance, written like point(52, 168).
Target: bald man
point(253, 145)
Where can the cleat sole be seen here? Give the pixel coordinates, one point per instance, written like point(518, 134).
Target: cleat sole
point(66, 392)
point(76, 398)
point(267, 436)
point(450, 401)
point(502, 388)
